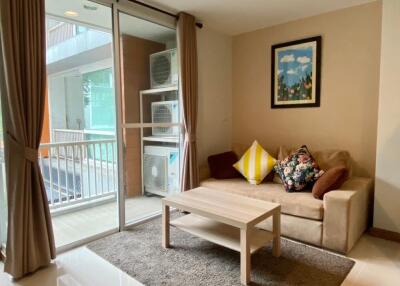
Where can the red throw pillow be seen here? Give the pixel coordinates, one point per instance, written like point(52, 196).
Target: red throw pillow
point(329, 181)
point(221, 165)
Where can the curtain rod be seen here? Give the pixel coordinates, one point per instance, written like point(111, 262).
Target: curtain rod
point(199, 25)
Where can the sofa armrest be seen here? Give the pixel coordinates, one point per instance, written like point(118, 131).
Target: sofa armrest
point(346, 214)
point(204, 173)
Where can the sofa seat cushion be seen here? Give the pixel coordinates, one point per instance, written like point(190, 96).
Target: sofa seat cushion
point(301, 204)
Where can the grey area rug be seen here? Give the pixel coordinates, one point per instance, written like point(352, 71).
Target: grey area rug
point(194, 261)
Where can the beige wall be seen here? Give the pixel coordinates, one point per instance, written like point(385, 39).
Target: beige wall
point(387, 181)
point(347, 118)
point(215, 93)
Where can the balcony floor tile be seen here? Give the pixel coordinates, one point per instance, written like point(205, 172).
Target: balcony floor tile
point(82, 224)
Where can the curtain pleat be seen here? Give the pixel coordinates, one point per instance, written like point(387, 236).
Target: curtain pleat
point(30, 240)
point(187, 47)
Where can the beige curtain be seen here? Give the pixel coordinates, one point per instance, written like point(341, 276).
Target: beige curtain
point(30, 242)
point(187, 46)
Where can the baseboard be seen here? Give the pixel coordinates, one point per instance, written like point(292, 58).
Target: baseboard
point(385, 234)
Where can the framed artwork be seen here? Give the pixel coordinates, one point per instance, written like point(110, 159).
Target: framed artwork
point(296, 73)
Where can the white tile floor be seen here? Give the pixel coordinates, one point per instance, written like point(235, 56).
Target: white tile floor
point(78, 267)
point(377, 264)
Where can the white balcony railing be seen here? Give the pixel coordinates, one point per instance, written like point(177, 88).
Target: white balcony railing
point(79, 172)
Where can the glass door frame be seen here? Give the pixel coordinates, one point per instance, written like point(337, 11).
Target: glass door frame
point(111, 64)
point(135, 10)
point(139, 11)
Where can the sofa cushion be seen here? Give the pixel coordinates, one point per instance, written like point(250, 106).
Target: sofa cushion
point(298, 170)
point(221, 165)
point(301, 204)
point(330, 180)
point(255, 164)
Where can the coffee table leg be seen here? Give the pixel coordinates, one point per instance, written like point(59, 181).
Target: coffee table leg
point(165, 226)
point(245, 260)
point(276, 248)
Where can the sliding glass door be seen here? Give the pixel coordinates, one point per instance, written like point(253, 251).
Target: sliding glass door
point(78, 154)
point(111, 146)
point(150, 113)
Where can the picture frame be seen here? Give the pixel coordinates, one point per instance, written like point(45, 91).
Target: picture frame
point(296, 73)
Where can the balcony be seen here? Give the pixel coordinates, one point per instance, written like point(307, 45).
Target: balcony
point(81, 180)
point(76, 172)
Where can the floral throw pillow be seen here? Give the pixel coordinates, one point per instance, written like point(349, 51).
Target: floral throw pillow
point(298, 170)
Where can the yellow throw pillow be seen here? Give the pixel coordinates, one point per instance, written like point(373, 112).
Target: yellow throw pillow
point(255, 164)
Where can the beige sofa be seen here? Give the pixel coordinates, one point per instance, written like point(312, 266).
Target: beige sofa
point(335, 223)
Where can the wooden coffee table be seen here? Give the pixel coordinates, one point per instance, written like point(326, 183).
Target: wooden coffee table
point(225, 219)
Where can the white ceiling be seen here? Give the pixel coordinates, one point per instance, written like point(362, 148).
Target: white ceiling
point(238, 16)
point(101, 18)
point(231, 17)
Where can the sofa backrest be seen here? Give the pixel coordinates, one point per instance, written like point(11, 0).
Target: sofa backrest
point(325, 158)
point(239, 149)
point(331, 158)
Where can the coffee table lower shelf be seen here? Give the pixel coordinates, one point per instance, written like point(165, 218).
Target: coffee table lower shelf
point(220, 233)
